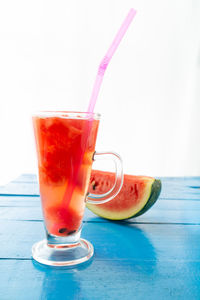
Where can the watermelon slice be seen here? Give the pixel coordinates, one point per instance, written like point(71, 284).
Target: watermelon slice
point(137, 195)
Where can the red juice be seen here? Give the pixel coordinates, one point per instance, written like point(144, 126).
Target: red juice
point(65, 148)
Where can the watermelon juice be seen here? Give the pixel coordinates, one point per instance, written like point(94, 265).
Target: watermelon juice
point(65, 146)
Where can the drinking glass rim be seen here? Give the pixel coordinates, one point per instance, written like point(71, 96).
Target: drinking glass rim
point(66, 114)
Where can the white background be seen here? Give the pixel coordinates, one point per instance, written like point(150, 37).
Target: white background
point(149, 101)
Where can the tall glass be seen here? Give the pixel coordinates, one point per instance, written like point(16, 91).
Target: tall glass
point(65, 143)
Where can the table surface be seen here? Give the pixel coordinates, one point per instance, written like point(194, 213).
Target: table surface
point(155, 256)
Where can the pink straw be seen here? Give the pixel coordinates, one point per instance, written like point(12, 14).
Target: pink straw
point(102, 67)
point(104, 63)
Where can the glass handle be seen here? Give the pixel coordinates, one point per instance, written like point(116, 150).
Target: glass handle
point(103, 198)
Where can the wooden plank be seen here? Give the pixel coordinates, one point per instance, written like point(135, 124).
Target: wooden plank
point(26, 201)
point(172, 188)
point(181, 188)
point(27, 177)
point(20, 188)
point(165, 211)
point(138, 242)
point(187, 180)
point(101, 280)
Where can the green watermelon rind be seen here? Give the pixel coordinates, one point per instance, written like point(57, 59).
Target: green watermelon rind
point(155, 193)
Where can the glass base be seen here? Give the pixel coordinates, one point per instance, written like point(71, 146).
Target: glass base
point(62, 255)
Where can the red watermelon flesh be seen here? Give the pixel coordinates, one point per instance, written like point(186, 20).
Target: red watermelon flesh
point(137, 193)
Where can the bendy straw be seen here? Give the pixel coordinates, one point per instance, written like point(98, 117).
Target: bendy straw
point(104, 63)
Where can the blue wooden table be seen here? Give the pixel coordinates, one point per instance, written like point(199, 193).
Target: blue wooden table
point(155, 256)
